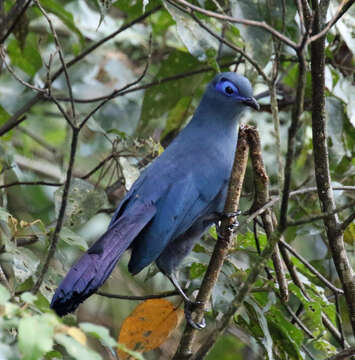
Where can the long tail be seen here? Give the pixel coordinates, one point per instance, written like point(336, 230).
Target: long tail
point(95, 266)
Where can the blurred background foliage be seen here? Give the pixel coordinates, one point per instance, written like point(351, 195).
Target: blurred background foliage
point(124, 136)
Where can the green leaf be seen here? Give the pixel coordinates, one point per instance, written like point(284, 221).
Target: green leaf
point(75, 349)
point(4, 295)
point(258, 41)
point(4, 115)
point(258, 325)
point(159, 100)
point(57, 9)
point(98, 332)
point(197, 270)
point(73, 239)
point(227, 347)
point(84, 200)
point(247, 241)
point(324, 346)
point(177, 115)
point(25, 263)
point(35, 337)
point(335, 119)
point(53, 355)
point(4, 215)
point(312, 317)
point(196, 39)
point(286, 336)
point(28, 297)
point(27, 59)
point(161, 21)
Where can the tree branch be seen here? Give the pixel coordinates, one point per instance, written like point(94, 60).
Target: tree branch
point(297, 111)
point(322, 216)
point(17, 119)
point(144, 297)
point(342, 9)
point(322, 173)
point(63, 205)
point(223, 244)
point(343, 355)
point(259, 24)
point(261, 190)
point(347, 222)
point(16, 11)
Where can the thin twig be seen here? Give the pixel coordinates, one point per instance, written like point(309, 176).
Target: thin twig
point(16, 183)
point(17, 117)
point(343, 355)
point(226, 42)
point(98, 166)
point(133, 297)
point(297, 111)
point(311, 268)
point(303, 191)
point(13, 73)
point(38, 139)
point(151, 84)
point(342, 9)
point(14, 23)
point(61, 56)
point(115, 92)
point(259, 24)
point(60, 220)
point(347, 222)
point(324, 215)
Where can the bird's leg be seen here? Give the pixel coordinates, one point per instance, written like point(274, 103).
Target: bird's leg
point(189, 305)
point(228, 215)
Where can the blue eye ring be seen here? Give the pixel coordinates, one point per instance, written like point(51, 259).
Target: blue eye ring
point(227, 88)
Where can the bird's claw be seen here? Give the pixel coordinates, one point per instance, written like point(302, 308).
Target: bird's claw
point(231, 227)
point(188, 309)
point(231, 214)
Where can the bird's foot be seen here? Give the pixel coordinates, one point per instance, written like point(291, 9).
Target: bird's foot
point(232, 228)
point(188, 309)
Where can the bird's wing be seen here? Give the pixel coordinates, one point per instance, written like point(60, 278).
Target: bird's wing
point(183, 202)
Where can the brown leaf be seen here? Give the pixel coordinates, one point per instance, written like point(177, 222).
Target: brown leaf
point(148, 326)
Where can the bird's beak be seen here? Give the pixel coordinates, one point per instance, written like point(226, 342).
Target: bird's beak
point(252, 103)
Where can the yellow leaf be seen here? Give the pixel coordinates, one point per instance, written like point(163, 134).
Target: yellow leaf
point(349, 234)
point(148, 326)
point(77, 334)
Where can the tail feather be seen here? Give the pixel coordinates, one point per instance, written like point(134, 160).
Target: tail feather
point(96, 265)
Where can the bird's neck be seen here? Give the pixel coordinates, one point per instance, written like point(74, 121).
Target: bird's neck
point(211, 122)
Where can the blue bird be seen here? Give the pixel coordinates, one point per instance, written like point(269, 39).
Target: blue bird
point(174, 201)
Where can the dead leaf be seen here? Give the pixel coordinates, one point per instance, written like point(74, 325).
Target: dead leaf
point(148, 326)
point(77, 334)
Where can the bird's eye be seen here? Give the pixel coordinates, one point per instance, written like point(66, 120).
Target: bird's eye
point(226, 87)
point(229, 90)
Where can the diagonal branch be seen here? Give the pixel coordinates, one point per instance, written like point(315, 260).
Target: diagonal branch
point(60, 220)
point(321, 160)
point(17, 117)
point(61, 56)
point(223, 244)
point(342, 9)
point(231, 19)
point(16, 11)
point(273, 239)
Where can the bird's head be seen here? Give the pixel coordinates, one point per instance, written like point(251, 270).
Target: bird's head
point(229, 89)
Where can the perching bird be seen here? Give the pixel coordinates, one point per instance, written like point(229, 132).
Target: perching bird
point(173, 202)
